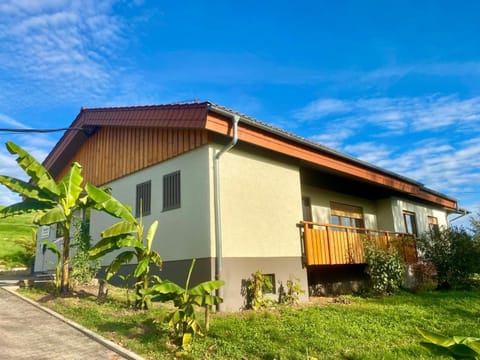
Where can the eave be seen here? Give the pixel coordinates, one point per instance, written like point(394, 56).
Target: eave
point(214, 118)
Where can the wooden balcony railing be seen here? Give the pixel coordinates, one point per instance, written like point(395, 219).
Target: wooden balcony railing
point(328, 244)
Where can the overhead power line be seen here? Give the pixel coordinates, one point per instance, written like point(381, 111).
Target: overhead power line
point(38, 130)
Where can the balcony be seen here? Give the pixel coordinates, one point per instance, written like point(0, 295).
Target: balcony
point(328, 244)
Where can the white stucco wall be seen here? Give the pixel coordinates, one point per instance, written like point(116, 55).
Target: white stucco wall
point(320, 201)
point(260, 204)
point(183, 233)
point(46, 260)
point(421, 214)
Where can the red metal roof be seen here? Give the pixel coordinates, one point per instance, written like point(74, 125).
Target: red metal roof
point(191, 115)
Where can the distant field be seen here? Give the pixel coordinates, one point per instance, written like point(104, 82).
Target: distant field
point(17, 241)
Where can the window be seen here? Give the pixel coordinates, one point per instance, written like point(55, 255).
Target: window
point(59, 230)
point(143, 199)
point(410, 222)
point(346, 215)
point(433, 224)
point(307, 209)
point(271, 278)
point(171, 191)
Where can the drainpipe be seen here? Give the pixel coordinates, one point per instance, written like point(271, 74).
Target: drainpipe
point(462, 213)
point(216, 189)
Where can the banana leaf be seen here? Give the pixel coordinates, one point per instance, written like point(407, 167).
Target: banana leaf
point(26, 189)
point(106, 202)
point(71, 187)
point(40, 176)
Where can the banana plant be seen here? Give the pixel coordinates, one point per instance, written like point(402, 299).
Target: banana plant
point(183, 320)
point(52, 202)
point(126, 235)
point(458, 347)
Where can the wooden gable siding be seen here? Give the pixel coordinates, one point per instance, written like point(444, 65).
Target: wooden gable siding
point(113, 152)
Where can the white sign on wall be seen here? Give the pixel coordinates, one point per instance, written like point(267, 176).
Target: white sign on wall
point(45, 232)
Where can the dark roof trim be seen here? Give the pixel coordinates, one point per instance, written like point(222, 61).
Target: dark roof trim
point(187, 115)
point(296, 138)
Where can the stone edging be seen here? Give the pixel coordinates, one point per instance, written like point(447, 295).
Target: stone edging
point(127, 354)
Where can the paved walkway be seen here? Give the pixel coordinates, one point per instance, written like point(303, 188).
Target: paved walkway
point(27, 332)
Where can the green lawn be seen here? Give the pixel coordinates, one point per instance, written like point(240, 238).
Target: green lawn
point(364, 329)
point(17, 241)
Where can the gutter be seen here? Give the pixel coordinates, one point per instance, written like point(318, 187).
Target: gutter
point(462, 212)
point(216, 188)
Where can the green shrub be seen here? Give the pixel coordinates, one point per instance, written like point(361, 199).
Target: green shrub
point(292, 295)
point(454, 253)
point(424, 275)
point(385, 268)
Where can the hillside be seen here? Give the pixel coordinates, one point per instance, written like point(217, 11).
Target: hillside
point(17, 241)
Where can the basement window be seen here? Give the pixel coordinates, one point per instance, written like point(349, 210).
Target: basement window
point(271, 278)
point(143, 199)
point(171, 191)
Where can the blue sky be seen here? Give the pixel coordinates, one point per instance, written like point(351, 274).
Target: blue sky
point(394, 83)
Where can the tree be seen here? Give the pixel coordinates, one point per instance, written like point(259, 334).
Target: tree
point(454, 252)
point(126, 235)
point(475, 225)
point(52, 202)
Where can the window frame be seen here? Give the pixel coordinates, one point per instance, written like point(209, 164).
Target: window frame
point(143, 199)
point(172, 194)
point(341, 212)
point(410, 215)
point(307, 209)
point(433, 224)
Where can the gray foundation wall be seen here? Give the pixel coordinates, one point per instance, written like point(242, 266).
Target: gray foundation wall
point(236, 274)
point(238, 271)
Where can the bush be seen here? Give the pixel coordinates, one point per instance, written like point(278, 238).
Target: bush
point(424, 275)
point(385, 268)
point(294, 290)
point(454, 253)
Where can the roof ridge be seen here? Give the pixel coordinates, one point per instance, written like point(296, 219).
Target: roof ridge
point(193, 104)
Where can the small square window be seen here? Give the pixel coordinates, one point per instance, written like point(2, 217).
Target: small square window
point(143, 199)
point(171, 191)
point(271, 278)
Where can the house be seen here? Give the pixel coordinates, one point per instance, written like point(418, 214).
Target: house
point(232, 192)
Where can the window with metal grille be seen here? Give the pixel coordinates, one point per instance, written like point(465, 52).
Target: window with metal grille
point(171, 191)
point(143, 199)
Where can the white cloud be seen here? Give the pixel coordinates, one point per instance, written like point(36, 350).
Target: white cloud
point(434, 139)
point(60, 49)
point(323, 107)
point(397, 115)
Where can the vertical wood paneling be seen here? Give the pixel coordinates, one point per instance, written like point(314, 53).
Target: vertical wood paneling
point(327, 244)
point(113, 152)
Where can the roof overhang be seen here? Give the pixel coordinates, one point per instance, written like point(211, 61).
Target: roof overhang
point(215, 118)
